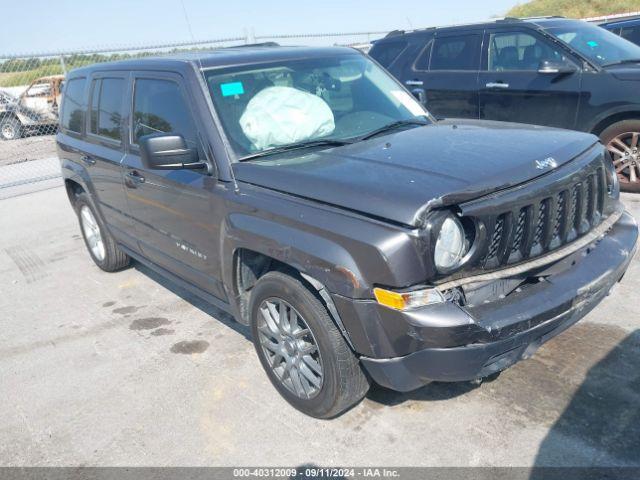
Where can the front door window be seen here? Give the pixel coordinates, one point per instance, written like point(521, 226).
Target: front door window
point(519, 52)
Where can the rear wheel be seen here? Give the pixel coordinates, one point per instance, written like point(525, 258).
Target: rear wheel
point(622, 139)
point(10, 128)
point(302, 351)
point(101, 245)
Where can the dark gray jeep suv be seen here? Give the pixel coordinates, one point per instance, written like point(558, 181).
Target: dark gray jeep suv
point(307, 193)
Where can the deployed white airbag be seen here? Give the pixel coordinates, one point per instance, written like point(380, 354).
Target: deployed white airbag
point(282, 115)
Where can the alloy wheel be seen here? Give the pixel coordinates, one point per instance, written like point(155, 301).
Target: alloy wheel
point(92, 233)
point(8, 131)
point(625, 152)
point(290, 348)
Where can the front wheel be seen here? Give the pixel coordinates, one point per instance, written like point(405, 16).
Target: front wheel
point(622, 141)
point(10, 128)
point(302, 351)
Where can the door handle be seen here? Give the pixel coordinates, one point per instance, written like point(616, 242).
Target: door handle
point(414, 83)
point(88, 160)
point(134, 179)
point(497, 85)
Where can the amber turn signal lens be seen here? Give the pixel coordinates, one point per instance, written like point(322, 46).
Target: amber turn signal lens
point(407, 300)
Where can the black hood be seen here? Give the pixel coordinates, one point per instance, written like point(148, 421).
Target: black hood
point(629, 71)
point(395, 176)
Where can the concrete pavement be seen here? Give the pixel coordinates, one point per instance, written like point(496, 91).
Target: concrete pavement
point(126, 369)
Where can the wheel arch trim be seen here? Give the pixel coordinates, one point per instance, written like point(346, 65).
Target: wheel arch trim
point(603, 121)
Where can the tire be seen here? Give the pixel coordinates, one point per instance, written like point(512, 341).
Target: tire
point(622, 139)
point(10, 128)
point(109, 257)
point(342, 382)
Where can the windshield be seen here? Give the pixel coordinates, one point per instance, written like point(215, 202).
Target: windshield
point(597, 44)
point(270, 106)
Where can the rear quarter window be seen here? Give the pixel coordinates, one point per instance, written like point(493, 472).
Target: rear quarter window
point(72, 105)
point(385, 53)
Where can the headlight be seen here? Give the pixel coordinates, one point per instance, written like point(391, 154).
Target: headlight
point(450, 246)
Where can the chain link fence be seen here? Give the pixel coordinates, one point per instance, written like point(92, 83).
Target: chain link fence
point(31, 85)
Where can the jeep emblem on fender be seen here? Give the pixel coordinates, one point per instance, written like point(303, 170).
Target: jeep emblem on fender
point(548, 162)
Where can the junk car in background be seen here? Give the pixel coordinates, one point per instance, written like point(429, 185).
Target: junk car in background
point(35, 109)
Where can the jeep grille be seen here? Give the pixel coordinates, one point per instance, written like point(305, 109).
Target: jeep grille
point(547, 224)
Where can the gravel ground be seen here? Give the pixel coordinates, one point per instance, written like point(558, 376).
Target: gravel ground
point(35, 147)
point(127, 369)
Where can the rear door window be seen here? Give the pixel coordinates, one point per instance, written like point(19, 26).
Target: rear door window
point(456, 53)
point(385, 53)
point(73, 109)
point(106, 104)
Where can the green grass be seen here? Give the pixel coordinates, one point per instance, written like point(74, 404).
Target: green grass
point(15, 79)
point(574, 8)
point(14, 73)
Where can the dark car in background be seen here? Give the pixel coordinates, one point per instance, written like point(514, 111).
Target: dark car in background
point(628, 28)
point(546, 71)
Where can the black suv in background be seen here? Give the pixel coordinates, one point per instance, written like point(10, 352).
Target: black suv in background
point(544, 71)
point(306, 192)
point(627, 28)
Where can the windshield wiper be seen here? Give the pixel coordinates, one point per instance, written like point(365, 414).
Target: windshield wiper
point(295, 146)
point(622, 62)
point(392, 126)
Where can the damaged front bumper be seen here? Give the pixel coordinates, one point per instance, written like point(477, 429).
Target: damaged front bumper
point(447, 342)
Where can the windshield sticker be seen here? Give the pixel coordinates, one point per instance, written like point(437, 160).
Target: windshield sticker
point(230, 89)
point(592, 44)
point(408, 102)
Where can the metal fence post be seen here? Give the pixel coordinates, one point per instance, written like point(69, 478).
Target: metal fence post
point(64, 67)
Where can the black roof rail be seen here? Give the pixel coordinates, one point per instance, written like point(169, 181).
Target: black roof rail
point(262, 44)
point(629, 18)
point(394, 33)
point(542, 17)
point(522, 19)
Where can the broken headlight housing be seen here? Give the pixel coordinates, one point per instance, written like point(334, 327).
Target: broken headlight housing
point(450, 247)
point(453, 238)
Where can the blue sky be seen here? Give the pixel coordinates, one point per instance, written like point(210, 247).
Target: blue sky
point(45, 26)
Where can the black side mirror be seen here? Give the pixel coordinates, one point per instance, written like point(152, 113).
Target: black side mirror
point(551, 67)
point(167, 151)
